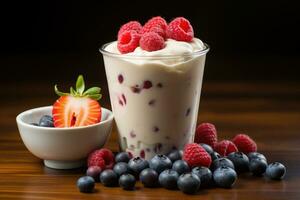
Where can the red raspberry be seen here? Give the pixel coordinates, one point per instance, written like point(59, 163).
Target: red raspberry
point(157, 25)
point(128, 41)
point(195, 155)
point(103, 158)
point(180, 29)
point(206, 133)
point(152, 42)
point(225, 147)
point(130, 26)
point(244, 143)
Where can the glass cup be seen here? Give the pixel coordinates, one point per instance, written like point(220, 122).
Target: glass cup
point(154, 99)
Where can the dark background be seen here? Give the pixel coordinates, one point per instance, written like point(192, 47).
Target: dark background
point(54, 41)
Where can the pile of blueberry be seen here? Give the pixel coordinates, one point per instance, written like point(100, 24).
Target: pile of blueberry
point(171, 172)
point(45, 121)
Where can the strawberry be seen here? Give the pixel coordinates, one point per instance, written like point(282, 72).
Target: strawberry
point(77, 108)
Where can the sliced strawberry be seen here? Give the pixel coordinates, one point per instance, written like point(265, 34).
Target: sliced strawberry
point(78, 108)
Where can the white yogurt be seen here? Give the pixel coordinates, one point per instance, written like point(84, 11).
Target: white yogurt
point(155, 95)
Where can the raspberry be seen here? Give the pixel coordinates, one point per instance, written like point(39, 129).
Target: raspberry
point(156, 22)
point(244, 143)
point(103, 158)
point(206, 133)
point(128, 41)
point(180, 29)
point(225, 147)
point(157, 25)
point(130, 26)
point(195, 155)
point(151, 42)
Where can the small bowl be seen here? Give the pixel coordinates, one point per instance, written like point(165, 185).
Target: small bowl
point(62, 148)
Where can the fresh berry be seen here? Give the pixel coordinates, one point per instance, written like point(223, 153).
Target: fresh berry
point(159, 163)
point(206, 133)
point(214, 156)
point(130, 26)
point(155, 22)
point(128, 41)
point(240, 161)
point(180, 29)
point(155, 29)
point(122, 157)
point(188, 183)
point(276, 171)
point(204, 175)
point(127, 181)
point(86, 184)
point(254, 155)
point(121, 168)
point(224, 177)
point(79, 108)
point(195, 155)
point(46, 121)
point(225, 147)
point(258, 166)
point(221, 162)
point(207, 148)
point(103, 158)
point(244, 143)
point(137, 164)
point(152, 42)
point(94, 171)
point(168, 179)
point(175, 155)
point(109, 178)
point(149, 177)
point(180, 166)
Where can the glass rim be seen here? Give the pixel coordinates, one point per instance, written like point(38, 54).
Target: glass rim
point(196, 53)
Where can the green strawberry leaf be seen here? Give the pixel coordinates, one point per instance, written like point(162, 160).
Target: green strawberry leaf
point(59, 93)
point(95, 96)
point(73, 92)
point(92, 90)
point(80, 84)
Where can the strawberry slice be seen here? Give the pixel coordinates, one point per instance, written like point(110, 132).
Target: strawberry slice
point(77, 108)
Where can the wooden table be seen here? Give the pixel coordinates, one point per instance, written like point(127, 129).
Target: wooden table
point(269, 112)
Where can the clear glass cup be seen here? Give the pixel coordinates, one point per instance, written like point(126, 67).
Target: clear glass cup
point(154, 99)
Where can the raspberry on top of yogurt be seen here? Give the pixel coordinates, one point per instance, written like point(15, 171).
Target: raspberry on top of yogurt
point(154, 35)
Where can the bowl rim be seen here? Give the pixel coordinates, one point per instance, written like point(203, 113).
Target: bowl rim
point(21, 122)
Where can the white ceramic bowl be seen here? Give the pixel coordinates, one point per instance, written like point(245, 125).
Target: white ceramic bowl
point(62, 148)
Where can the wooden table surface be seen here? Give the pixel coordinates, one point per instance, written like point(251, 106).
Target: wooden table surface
point(269, 112)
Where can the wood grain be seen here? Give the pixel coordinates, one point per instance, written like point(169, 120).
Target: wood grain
point(269, 112)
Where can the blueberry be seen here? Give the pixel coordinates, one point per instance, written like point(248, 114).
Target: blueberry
point(109, 178)
point(204, 175)
point(275, 171)
point(240, 161)
point(188, 183)
point(122, 157)
point(127, 181)
point(207, 148)
point(46, 121)
point(149, 177)
point(221, 162)
point(215, 155)
point(175, 155)
point(224, 177)
point(258, 166)
point(168, 179)
point(121, 168)
point(94, 171)
point(86, 184)
point(256, 155)
point(159, 163)
point(137, 164)
point(180, 166)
